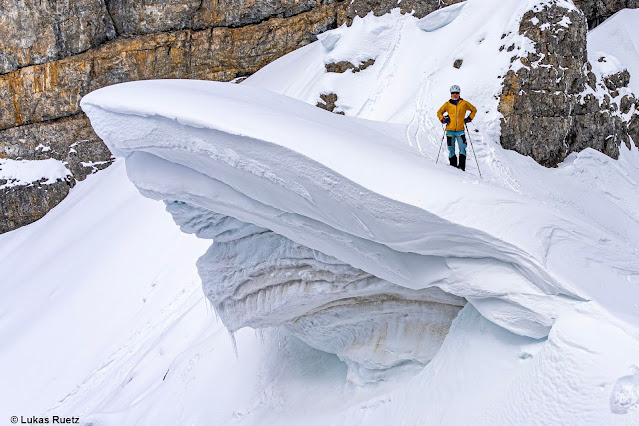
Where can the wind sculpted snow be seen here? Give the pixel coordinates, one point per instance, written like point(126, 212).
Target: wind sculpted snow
point(346, 188)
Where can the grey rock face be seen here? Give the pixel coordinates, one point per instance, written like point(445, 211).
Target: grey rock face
point(21, 205)
point(597, 11)
point(343, 66)
point(633, 128)
point(547, 110)
point(150, 16)
point(70, 140)
point(327, 102)
point(39, 31)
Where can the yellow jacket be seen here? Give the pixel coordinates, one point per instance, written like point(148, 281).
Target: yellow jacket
point(457, 113)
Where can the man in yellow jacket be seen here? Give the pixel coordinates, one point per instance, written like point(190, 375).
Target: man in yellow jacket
point(455, 119)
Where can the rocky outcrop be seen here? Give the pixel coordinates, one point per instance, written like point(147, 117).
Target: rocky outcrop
point(327, 101)
point(597, 11)
point(151, 16)
point(53, 54)
point(343, 66)
point(552, 104)
point(53, 90)
point(38, 31)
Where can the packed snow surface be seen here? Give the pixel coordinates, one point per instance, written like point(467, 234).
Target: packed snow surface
point(547, 258)
point(100, 292)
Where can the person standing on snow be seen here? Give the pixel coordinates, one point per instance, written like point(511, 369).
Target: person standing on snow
point(455, 120)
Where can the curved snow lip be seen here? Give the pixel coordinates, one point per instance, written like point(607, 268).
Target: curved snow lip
point(440, 18)
point(339, 185)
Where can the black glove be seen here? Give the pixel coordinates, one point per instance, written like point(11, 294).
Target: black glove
point(446, 119)
point(467, 120)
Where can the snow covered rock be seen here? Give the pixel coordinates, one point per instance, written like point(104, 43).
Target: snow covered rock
point(551, 102)
point(29, 189)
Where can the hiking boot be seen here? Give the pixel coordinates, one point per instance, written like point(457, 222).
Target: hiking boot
point(462, 162)
point(453, 161)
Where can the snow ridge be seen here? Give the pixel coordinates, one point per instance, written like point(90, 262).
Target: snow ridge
point(282, 182)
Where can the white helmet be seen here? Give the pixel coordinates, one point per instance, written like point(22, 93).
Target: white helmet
point(455, 89)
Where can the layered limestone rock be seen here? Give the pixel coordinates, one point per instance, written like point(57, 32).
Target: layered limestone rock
point(551, 101)
point(131, 18)
point(53, 54)
point(34, 32)
point(597, 11)
point(256, 278)
point(53, 90)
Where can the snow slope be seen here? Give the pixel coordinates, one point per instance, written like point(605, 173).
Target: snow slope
point(100, 288)
point(624, 50)
point(537, 252)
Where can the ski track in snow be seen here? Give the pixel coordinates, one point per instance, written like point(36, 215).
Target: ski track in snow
point(386, 72)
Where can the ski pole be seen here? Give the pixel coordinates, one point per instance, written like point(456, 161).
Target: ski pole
point(441, 144)
point(471, 145)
